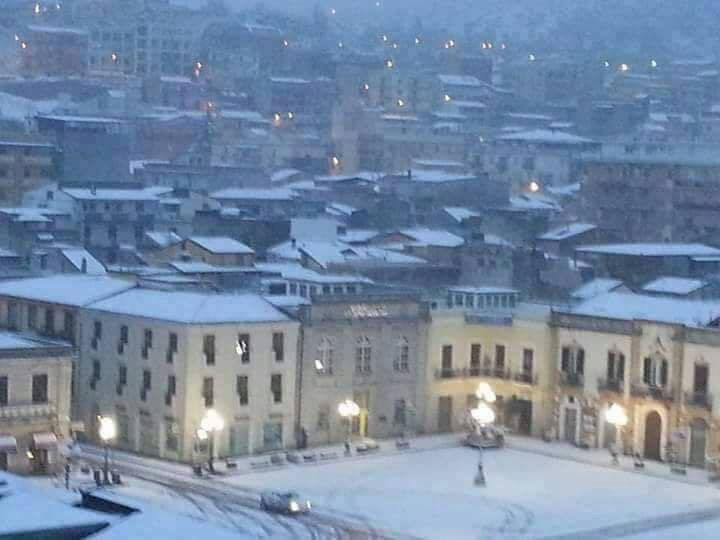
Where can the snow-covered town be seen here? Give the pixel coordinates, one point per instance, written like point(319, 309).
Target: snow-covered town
point(359, 269)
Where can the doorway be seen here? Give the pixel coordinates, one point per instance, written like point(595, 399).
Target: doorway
point(610, 435)
point(698, 442)
point(570, 426)
point(653, 431)
point(445, 414)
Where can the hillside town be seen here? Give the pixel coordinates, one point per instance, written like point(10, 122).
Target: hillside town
point(320, 233)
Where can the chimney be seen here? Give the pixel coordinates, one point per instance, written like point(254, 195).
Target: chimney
point(293, 243)
point(83, 266)
point(409, 174)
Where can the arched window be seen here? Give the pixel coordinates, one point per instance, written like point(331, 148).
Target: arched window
point(363, 355)
point(401, 362)
point(325, 357)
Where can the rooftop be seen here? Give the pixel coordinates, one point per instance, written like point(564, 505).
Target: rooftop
point(545, 136)
point(651, 250)
point(277, 194)
point(69, 290)
point(460, 80)
point(567, 231)
point(596, 287)
point(191, 308)
point(83, 194)
point(674, 285)
point(459, 213)
point(223, 245)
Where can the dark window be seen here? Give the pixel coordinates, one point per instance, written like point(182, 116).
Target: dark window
point(96, 370)
point(580, 361)
point(171, 387)
point(565, 361)
point(40, 388)
point(124, 335)
point(69, 325)
point(122, 374)
point(475, 355)
point(97, 330)
point(173, 342)
point(276, 387)
point(32, 317)
point(527, 364)
point(499, 356)
point(664, 373)
point(447, 360)
point(208, 391)
point(4, 390)
point(243, 348)
point(209, 349)
point(647, 370)
point(278, 341)
point(148, 339)
point(399, 411)
point(700, 378)
point(146, 384)
point(49, 321)
point(242, 389)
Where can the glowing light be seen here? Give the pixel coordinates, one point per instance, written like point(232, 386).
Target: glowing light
point(319, 365)
point(290, 116)
point(400, 102)
point(503, 46)
point(616, 415)
point(483, 45)
point(389, 64)
point(366, 87)
point(624, 68)
point(447, 98)
point(485, 392)
point(348, 408)
point(395, 45)
point(333, 11)
point(276, 118)
point(286, 43)
point(377, 4)
point(417, 41)
point(335, 161)
point(489, 45)
point(114, 57)
point(384, 37)
point(653, 63)
point(212, 421)
point(17, 38)
point(340, 45)
point(107, 428)
point(198, 65)
point(531, 57)
point(534, 187)
point(202, 435)
point(606, 64)
point(483, 414)
point(23, 45)
point(36, 9)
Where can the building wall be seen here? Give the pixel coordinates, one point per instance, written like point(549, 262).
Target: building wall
point(150, 421)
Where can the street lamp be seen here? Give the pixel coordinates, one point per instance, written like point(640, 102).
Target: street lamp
point(107, 431)
point(348, 410)
point(483, 414)
point(617, 416)
point(211, 423)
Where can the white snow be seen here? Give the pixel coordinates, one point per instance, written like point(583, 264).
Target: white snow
point(545, 136)
point(83, 194)
point(567, 231)
point(652, 250)
point(674, 285)
point(76, 257)
point(191, 308)
point(68, 290)
point(526, 202)
point(628, 306)
point(283, 175)
point(596, 287)
point(423, 236)
point(433, 175)
point(277, 194)
point(11, 340)
point(482, 290)
point(296, 272)
point(163, 239)
point(460, 80)
point(358, 236)
point(459, 213)
point(221, 245)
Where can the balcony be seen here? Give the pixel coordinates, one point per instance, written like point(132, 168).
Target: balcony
point(27, 410)
point(647, 391)
point(488, 372)
point(611, 385)
point(699, 399)
point(571, 379)
point(525, 378)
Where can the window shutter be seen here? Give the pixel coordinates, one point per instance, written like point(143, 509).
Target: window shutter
point(610, 366)
point(580, 362)
point(621, 367)
point(664, 373)
point(565, 362)
point(647, 370)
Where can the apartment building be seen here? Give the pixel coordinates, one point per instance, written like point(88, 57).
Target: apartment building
point(157, 361)
point(26, 162)
point(35, 379)
point(369, 348)
point(479, 336)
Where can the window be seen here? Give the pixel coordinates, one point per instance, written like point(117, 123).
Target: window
point(172, 439)
point(655, 371)
point(446, 358)
point(4, 390)
point(527, 361)
point(147, 342)
point(49, 321)
point(69, 325)
point(40, 388)
point(209, 349)
point(700, 378)
point(401, 362)
point(208, 391)
point(363, 355)
point(122, 375)
point(124, 335)
point(171, 389)
point(12, 316)
point(32, 317)
point(324, 360)
point(95, 376)
point(272, 435)
point(242, 389)
point(615, 366)
point(146, 384)
point(276, 387)
point(399, 413)
point(172, 348)
point(573, 360)
point(475, 357)
point(242, 348)
point(323, 418)
point(499, 359)
point(278, 343)
point(97, 330)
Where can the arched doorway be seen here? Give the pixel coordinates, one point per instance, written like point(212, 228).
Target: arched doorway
point(653, 431)
point(698, 442)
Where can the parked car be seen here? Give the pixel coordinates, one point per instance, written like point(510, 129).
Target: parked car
point(287, 502)
point(485, 437)
point(366, 444)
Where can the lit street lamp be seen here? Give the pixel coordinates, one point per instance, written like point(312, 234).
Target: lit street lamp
point(211, 423)
point(617, 416)
point(483, 415)
point(107, 431)
point(348, 410)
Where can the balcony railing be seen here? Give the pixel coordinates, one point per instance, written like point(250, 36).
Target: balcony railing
point(568, 378)
point(699, 399)
point(487, 372)
point(27, 410)
point(525, 377)
point(660, 393)
point(611, 385)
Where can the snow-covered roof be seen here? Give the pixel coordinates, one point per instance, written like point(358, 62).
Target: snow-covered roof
point(569, 190)
point(545, 136)
point(191, 308)
point(469, 104)
point(31, 214)
point(78, 256)
point(13, 341)
point(674, 285)
point(628, 306)
point(293, 271)
point(327, 253)
point(652, 250)
point(221, 245)
point(567, 231)
point(526, 202)
point(460, 213)
point(19, 108)
point(252, 116)
point(275, 194)
point(66, 289)
point(596, 287)
point(424, 236)
point(283, 175)
point(358, 236)
point(431, 176)
point(289, 80)
point(163, 239)
point(56, 30)
point(336, 208)
point(482, 290)
point(84, 194)
point(460, 80)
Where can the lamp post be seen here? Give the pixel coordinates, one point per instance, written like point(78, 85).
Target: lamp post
point(107, 431)
point(348, 410)
point(211, 423)
point(483, 415)
point(617, 416)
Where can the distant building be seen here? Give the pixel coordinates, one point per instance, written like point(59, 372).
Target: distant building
point(26, 162)
point(53, 51)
